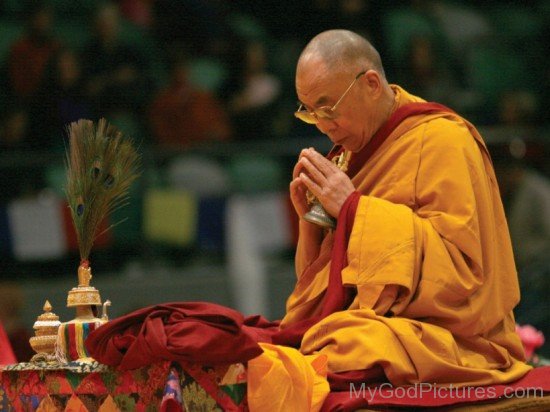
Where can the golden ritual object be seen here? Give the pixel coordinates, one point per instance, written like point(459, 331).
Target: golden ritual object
point(45, 327)
point(317, 213)
point(85, 298)
point(83, 294)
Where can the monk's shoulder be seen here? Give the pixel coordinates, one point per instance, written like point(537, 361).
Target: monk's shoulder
point(448, 133)
point(450, 140)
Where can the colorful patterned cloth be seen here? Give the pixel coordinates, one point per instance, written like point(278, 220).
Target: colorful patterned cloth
point(72, 337)
point(87, 387)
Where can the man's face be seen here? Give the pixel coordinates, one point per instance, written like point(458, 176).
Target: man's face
point(317, 87)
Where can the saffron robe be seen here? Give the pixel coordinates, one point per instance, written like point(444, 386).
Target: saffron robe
point(431, 260)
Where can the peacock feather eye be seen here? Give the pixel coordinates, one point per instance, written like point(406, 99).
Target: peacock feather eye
point(80, 209)
point(96, 169)
point(108, 181)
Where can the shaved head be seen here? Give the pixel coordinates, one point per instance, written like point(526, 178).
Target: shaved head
point(342, 50)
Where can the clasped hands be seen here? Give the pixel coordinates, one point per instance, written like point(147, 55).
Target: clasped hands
point(324, 180)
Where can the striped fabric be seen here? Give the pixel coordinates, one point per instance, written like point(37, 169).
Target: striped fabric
point(71, 337)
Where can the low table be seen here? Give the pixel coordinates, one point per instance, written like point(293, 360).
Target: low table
point(87, 387)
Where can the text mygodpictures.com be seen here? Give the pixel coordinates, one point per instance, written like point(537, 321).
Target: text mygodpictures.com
point(420, 390)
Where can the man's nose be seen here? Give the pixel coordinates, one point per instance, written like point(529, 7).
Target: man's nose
point(326, 125)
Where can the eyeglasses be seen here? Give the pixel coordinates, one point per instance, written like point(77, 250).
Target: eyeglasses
point(323, 112)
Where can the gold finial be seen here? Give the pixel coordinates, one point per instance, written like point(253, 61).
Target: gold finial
point(84, 275)
point(45, 335)
point(48, 315)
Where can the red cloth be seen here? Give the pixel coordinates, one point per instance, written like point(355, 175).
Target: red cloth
point(199, 332)
point(7, 357)
point(533, 384)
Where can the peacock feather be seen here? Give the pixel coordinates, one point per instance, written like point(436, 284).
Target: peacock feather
point(101, 166)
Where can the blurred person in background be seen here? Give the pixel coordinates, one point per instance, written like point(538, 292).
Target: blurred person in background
point(426, 75)
point(199, 24)
point(115, 71)
point(517, 108)
point(60, 101)
point(139, 12)
point(526, 197)
point(253, 94)
point(15, 140)
point(181, 115)
point(14, 128)
point(29, 56)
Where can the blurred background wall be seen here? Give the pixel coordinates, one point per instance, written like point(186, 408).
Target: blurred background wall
point(205, 87)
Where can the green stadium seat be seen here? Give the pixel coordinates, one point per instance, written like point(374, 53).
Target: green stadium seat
point(127, 220)
point(400, 26)
point(139, 38)
point(246, 26)
point(492, 70)
point(55, 177)
point(13, 8)
point(72, 34)
point(10, 30)
point(81, 10)
point(207, 74)
point(517, 23)
point(251, 173)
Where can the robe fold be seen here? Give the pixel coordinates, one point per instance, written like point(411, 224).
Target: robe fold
point(430, 258)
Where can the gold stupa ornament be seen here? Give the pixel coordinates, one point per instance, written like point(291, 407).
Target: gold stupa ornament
point(45, 335)
point(102, 164)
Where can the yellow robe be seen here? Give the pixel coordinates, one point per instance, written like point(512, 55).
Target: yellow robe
point(431, 259)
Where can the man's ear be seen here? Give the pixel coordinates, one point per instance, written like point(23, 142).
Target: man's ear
point(373, 82)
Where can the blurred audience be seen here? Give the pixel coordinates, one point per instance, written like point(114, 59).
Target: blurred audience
point(15, 137)
point(181, 115)
point(139, 12)
point(526, 197)
point(427, 75)
point(60, 101)
point(199, 24)
point(115, 72)
point(14, 128)
point(255, 95)
point(517, 108)
point(361, 16)
point(29, 56)
point(462, 24)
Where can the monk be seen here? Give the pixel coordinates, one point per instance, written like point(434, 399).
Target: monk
point(428, 279)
